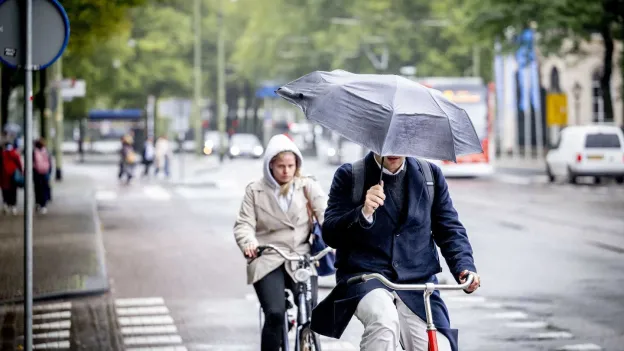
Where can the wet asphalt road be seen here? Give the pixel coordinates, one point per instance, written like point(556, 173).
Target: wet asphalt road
point(551, 257)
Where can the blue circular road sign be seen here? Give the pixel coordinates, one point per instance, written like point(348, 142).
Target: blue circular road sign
point(50, 32)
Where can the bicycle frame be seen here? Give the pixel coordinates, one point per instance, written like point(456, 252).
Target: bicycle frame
point(303, 290)
point(427, 288)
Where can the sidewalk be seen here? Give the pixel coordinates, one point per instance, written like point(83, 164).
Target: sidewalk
point(68, 251)
point(521, 165)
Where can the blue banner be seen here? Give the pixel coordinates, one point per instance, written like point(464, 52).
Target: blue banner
point(524, 58)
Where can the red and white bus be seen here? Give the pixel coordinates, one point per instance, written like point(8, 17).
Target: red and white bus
point(471, 94)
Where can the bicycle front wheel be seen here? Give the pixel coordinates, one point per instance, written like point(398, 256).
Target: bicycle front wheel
point(308, 341)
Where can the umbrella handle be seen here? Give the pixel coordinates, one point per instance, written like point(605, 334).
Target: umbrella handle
point(382, 168)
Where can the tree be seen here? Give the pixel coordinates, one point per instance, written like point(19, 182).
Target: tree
point(91, 22)
point(558, 21)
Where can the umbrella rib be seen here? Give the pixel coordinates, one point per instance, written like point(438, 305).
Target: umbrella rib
point(448, 119)
point(396, 87)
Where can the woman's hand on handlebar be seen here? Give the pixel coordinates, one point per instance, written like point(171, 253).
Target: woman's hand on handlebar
point(251, 250)
point(476, 283)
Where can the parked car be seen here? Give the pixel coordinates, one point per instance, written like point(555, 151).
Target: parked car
point(245, 145)
point(594, 150)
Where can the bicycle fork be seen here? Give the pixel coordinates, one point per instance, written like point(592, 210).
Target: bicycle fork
point(431, 329)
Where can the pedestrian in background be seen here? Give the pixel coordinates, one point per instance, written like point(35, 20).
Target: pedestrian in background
point(128, 159)
point(42, 168)
point(11, 174)
point(162, 155)
point(274, 211)
point(149, 152)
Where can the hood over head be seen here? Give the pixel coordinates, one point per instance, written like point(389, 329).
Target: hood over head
point(279, 143)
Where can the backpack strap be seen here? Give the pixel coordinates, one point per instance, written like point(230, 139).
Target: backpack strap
point(357, 176)
point(425, 168)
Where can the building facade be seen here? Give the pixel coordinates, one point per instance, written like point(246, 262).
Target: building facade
point(578, 76)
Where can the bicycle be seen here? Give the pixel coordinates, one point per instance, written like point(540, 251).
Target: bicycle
point(305, 338)
point(427, 288)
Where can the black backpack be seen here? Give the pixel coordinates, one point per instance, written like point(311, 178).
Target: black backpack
point(358, 173)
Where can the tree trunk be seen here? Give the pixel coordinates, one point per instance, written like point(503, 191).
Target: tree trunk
point(605, 80)
point(41, 102)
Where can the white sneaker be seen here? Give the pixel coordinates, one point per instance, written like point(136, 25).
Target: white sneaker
point(43, 210)
point(14, 210)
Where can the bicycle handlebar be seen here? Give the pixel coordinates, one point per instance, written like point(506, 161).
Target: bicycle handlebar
point(297, 258)
point(421, 287)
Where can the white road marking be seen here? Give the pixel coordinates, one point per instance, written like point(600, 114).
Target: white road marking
point(329, 345)
point(136, 311)
point(53, 325)
point(156, 192)
point(580, 347)
point(53, 315)
point(527, 325)
point(105, 195)
point(509, 315)
point(251, 297)
point(146, 301)
point(137, 321)
point(53, 306)
point(63, 334)
point(551, 335)
point(153, 340)
point(156, 329)
point(161, 348)
point(52, 345)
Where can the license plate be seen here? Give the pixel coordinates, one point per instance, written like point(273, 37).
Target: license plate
point(595, 157)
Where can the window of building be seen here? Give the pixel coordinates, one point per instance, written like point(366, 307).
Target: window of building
point(597, 102)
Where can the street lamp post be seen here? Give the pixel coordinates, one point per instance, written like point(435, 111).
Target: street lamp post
point(221, 82)
point(197, 75)
point(576, 90)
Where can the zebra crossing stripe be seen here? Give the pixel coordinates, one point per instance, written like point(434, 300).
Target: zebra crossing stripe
point(146, 325)
point(551, 335)
point(52, 345)
point(53, 325)
point(527, 325)
point(53, 315)
point(161, 348)
point(153, 340)
point(140, 321)
point(59, 329)
point(61, 334)
point(150, 310)
point(156, 329)
point(53, 306)
point(509, 315)
point(149, 301)
point(580, 347)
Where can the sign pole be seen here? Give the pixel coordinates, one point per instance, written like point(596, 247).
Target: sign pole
point(22, 23)
point(28, 186)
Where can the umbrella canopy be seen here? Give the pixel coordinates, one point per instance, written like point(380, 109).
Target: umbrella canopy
point(388, 114)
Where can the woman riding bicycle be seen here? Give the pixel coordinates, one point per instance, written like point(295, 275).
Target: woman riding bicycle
point(274, 211)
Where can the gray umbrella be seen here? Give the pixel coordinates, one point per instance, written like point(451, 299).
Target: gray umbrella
point(388, 114)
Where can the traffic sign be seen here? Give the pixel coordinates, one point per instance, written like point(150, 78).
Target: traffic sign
point(50, 33)
point(556, 109)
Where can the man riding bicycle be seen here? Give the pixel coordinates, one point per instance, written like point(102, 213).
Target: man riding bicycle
point(391, 229)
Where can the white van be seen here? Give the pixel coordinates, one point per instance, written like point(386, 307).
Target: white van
point(592, 150)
